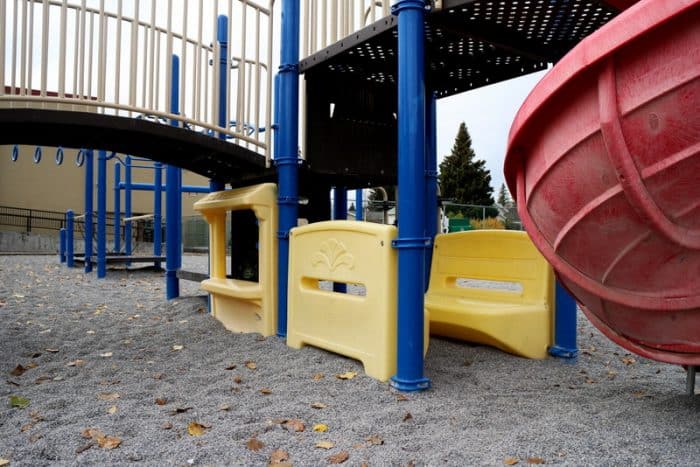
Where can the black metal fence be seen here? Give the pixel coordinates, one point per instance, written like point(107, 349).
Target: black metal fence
point(32, 219)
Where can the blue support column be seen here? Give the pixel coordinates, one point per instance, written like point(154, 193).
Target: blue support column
point(89, 185)
point(127, 206)
point(286, 158)
point(359, 209)
point(222, 39)
point(69, 238)
point(117, 208)
point(340, 213)
point(157, 212)
point(564, 325)
point(62, 245)
point(173, 193)
point(101, 214)
point(431, 179)
point(411, 241)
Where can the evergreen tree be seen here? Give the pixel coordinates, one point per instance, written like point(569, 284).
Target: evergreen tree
point(503, 195)
point(463, 177)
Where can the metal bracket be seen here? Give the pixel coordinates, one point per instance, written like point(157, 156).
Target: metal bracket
point(417, 243)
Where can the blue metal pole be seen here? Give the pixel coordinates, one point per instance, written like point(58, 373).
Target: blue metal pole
point(117, 208)
point(564, 325)
point(127, 206)
point(157, 212)
point(359, 210)
point(62, 245)
point(411, 241)
point(431, 178)
point(286, 158)
point(340, 212)
point(89, 181)
point(101, 214)
point(173, 216)
point(222, 39)
point(69, 238)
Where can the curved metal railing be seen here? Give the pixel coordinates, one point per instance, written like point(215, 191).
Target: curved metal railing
point(114, 57)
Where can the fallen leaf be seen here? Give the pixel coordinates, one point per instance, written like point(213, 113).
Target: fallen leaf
point(325, 444)
point(161, 401)
point(9, 381)
point(26, 427)
point(639, 394)
point(320, 428)
point(35, 437)
point(535, 460)
point(52, 350)
point(178, 347)
point(628, 360)
point(106, 354)
point(295, 425)
point(266, 391)
point(237, 379)
point(91, 433)
point(401, 398)
point(31, 365)
point(77, 362)
point(19, 402)
point(375, 440)
point(318, 405)
point(338, 458)
point(196, 429)
point(347, 375)
point(225, 407)
point(83, 448)
point(109, 442)
point(318, 377)
point(179, 410)
point(166, 426)
point(250, 365)
point(407, 417)
point(278, 456)
point(36, 416)
point(510, 461)
point(254, 444)
point(230, 367)
point(108, 396)
point(42, 379)
point(18, 370)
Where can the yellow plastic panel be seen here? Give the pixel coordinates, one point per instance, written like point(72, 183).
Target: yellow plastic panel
point(361, 327)
point(243, 306)
point(492, 287)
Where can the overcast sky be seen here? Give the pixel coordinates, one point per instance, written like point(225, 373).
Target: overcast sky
point(488, 113)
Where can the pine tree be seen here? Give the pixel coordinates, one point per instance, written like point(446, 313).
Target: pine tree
point(503, 195)
point(463, 177)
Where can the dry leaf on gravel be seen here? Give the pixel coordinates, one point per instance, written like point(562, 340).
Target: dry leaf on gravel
point(320, 428)
point(161, 401)
point(250, 364)
point(318, 377)
point(295, 425)
point(26, 427)
point(4, 462)
point(178, 347)
point(347, 375)
point(407, 417)
point(325, 444)
point(628, 360)
point(401, 398)
point(109, 442)
point(254, 444)
point(180, 410)
point(18, 370)
point(510, 461)
point(225, 407)
point(19, 402)
point(278, 456)
point(112, 410)
point(196, 429)
point(83, 448)
point(108, 396)
point(106, 354)
point(231, 367)
point(339, 458)
point(77, 362)
point(318, 405)
point(375, 440)
point(266, 391)
point(52, 350)
point(166, 426)
point(535, 460)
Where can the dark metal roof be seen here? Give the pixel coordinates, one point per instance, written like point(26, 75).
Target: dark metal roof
point(469, 43)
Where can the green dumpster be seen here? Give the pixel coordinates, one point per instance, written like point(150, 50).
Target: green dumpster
point(459, 225)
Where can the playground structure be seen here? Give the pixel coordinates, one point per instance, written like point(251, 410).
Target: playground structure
point(369, 93)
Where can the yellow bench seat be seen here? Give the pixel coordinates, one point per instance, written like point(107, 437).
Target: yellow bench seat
point(233, 288)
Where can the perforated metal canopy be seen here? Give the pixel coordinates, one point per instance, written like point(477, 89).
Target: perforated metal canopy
point(470, 43)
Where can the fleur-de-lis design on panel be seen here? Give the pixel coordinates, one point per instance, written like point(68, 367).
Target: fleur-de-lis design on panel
point(333, 254)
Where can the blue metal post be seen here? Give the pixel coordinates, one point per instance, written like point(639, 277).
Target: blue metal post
point(222, 39)
point(157, 212)
point(340, 213)
point(564, 325)
point(431, 178)
point(411, 240)
point(101, 214)
point(127, 206)
point(359, 209)
point(286, 159)
point(69, 238)
point(89, 182)
point(173, 215)
point(117, 208)
point(62, 245)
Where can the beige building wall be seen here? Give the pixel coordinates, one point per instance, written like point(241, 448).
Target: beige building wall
point(51, 187)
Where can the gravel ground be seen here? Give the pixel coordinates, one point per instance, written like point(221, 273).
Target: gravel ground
point(163, 383)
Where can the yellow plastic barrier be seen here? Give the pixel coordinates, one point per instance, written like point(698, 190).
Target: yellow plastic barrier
point(492, 287)
point(358, 326)
point(243, 306)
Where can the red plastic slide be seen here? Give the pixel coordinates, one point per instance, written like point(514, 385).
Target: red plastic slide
point(604, 162)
